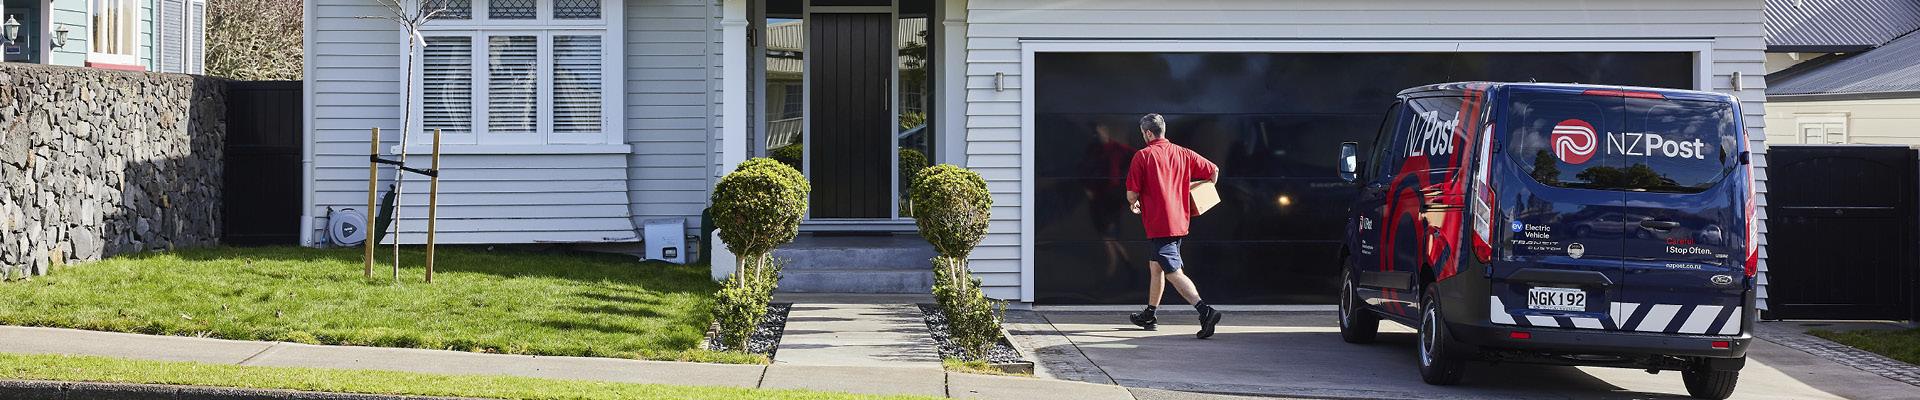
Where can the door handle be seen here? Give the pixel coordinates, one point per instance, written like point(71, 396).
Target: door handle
point(1659, 225)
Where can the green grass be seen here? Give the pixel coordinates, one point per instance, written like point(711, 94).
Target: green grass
point(975, 367)
point(101, 369)
point(1903, 345)
point(541, 303)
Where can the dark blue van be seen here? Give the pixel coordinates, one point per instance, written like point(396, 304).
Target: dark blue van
point(1557, 224)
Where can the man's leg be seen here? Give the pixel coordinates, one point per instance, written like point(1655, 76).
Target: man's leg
point(1157, 284)
point(1180, 284)
point(1177, 274)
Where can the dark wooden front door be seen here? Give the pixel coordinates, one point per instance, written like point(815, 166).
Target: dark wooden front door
point(850, 146)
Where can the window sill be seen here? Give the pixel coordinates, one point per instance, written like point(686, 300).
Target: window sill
point(518, 149)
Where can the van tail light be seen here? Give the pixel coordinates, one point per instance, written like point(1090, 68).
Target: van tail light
point(1753, 227)
point(1483, 199)
point(1624, 93)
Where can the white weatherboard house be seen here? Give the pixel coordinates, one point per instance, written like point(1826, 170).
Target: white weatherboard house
point(573, 121)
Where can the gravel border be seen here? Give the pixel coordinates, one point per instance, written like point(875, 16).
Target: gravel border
point(766, 339)
point(1002, 353)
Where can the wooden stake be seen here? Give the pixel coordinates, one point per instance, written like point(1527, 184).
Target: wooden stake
point(433, 202)
point(373, 181)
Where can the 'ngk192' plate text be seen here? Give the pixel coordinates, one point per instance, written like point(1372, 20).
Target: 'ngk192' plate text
point(1557, 299)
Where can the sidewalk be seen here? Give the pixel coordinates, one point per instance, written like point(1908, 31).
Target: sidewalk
point(865, 380)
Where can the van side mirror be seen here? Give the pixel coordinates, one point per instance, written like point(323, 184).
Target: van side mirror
point(1349, 161)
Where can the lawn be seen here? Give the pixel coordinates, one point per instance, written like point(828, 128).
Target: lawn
point(541, 303)
point(101, 369)
point(1903, 345)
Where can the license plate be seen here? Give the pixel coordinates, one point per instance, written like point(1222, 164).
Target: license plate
point(1557, 299)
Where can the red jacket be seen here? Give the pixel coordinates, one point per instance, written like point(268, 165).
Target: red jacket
point(1162, 173)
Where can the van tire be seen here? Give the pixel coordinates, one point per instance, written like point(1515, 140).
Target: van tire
point(1707, 383)
point(1358, 324)
point(1439, 363)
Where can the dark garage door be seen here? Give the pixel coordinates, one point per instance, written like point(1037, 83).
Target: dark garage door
point(1273, 123)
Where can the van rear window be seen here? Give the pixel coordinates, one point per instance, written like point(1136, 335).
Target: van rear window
point(1621, 143)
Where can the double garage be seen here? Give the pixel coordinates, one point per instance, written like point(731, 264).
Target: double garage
point(1272, 116)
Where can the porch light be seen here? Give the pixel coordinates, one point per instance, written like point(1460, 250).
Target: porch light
point(60, 37)
point(13, 29)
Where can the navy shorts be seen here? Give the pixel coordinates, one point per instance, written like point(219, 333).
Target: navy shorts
point(1166, 251)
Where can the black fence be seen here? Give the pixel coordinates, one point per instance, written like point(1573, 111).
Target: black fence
point(261, 200)
point(1842, 232)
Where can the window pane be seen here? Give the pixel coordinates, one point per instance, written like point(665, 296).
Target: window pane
point(449, 9)
point(512, 83)
point(576, 84)
point(785, 96)
point(447, 85)
point(576, 9)
point(916, 133)
point(510, 9)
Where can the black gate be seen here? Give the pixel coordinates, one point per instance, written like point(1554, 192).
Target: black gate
point(261, 200)
point(1841, 232)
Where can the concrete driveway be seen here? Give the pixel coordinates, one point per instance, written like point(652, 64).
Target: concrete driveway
point(1300, 354)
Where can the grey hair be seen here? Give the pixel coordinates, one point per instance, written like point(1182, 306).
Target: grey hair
point(1154, 123)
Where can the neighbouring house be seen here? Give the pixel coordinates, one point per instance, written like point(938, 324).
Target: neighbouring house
point(1843, 72)
point(135, 35)
point(574, 121)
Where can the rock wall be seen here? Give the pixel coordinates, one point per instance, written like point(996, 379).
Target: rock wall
point(95, 163)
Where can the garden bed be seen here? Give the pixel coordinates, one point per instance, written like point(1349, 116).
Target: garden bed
point(1003, 356)
point(766, 338)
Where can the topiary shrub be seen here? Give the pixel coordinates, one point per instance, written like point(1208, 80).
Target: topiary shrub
point(756, 208)
point(911, 162)
point(952, 208)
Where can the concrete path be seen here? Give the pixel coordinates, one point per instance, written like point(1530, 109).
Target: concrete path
point(857, 335)
point(874, 380)
point(1301, 354)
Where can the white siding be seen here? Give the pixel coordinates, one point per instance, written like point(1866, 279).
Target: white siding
point(1884, 121)
point(523, 198)
point(996, 27)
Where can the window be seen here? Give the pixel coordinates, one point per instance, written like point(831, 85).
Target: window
point(1619, 143)
point(114, 28)
point(520, 72)
point(1822, 128)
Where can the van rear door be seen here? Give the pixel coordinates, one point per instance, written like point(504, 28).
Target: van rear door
point(1563, 261)
point(1684, 270)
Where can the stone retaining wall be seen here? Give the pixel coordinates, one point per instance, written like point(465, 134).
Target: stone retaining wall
point(95, 163)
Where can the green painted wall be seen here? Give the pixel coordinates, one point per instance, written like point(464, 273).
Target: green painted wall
point(72, 14)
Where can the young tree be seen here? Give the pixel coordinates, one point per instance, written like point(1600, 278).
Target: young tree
point(254, 39)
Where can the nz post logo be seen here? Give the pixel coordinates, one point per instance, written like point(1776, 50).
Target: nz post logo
point(1574, 142)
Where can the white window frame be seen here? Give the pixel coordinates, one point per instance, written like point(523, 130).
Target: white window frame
point(129, 22)
point(1822, 120)
point(611, 137)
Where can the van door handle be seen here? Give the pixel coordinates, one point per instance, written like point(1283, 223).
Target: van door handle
point(1659, 225)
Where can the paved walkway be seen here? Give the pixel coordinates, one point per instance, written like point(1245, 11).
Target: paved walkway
point(871, 380)
point(856, 335)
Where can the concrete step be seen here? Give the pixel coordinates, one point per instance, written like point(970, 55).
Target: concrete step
point(899, 281)
point(857, 253)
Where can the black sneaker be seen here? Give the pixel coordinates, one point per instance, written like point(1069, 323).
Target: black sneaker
point(1144, 320)
point(1207, 321)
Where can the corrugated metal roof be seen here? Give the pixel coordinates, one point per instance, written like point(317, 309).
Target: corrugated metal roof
point(1830, 26)
point(1893, 70)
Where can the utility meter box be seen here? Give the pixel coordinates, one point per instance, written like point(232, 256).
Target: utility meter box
point(666, 240)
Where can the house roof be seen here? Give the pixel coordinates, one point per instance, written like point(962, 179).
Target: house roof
point(1837, 26)
point(1890, 71)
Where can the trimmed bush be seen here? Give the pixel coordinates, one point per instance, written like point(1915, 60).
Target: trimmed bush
point(791, 154)
point(952, 208)
point(757, 207)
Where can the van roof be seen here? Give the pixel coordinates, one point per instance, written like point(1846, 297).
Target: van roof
point(1565, 88)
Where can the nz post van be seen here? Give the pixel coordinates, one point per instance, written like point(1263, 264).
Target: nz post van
point(1556, 224)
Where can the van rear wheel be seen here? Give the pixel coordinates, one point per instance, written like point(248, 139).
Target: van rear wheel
point(1357, 323)
point(1707, 383)
point(1439, 362)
